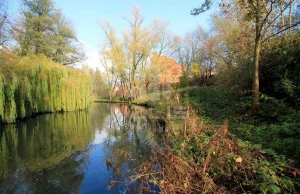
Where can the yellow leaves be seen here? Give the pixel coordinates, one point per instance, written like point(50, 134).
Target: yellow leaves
point(196, 71)
point(186, 182)
point(239, 160)
point(183, 144)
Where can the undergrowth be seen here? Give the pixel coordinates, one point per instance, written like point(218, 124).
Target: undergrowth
point(207, 152)
point(275, 126)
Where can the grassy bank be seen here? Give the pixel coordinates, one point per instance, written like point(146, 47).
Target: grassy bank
point(148, 100)
point(152, 98)
point(109, 101)
point(220, 148)
point(275, 126)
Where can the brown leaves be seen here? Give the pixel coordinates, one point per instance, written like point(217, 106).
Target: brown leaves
point(296, 173)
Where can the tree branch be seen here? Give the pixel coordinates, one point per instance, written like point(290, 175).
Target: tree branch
point(281, 31)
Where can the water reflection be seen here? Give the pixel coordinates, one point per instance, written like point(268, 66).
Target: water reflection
point(86, 151)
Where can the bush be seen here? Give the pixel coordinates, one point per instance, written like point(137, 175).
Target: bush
point(280, 69)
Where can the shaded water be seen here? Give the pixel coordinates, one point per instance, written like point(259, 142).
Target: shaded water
point(92, 151)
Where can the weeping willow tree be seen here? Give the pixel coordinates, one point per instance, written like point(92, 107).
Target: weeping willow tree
point(34, 84)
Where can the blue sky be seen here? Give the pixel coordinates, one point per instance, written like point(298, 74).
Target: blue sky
point(85, 15)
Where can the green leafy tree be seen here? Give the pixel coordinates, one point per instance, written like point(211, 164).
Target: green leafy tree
point(44, 29)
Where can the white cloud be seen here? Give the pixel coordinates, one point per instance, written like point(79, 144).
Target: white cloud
point(93, 60)
point(100, 136)
point(92, 55)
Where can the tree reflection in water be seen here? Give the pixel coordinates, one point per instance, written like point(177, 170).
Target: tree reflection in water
point(83, 151)
point(30, 149)
point(129, 142)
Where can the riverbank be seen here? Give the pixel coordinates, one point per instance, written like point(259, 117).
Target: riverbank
point(221, 148)
point(145, 104)
point(275, 125)
point(147, 100)
point(110, 101)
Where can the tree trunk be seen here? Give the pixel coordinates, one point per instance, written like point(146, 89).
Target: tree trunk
point(282, 16)
point(255, 87)
point(123, 90)
point(290, 16)
point(257, 49)
point(110, 96)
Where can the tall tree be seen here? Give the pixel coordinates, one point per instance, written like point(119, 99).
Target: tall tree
point(262, 14)
point(43, 29)
point(113, 58)
point(138, 42)
point(126, 58)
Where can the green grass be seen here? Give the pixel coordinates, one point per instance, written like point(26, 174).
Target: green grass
point(263, 141)
point(152, 98)
point(109, 101)
point(275, 126)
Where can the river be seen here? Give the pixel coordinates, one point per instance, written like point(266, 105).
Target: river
point(90, 151)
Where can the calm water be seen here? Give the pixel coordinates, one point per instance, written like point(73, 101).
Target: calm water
point(91, 151)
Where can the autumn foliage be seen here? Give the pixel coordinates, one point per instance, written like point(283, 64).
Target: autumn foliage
point(169, 70)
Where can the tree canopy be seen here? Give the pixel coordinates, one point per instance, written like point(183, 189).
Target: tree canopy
point(44, 29)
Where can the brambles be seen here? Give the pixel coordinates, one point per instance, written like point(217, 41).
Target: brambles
point(206, 158)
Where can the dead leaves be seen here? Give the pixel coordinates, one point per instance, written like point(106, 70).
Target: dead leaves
point(239, 160)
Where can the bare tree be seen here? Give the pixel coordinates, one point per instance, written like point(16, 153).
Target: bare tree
point(5, 25)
